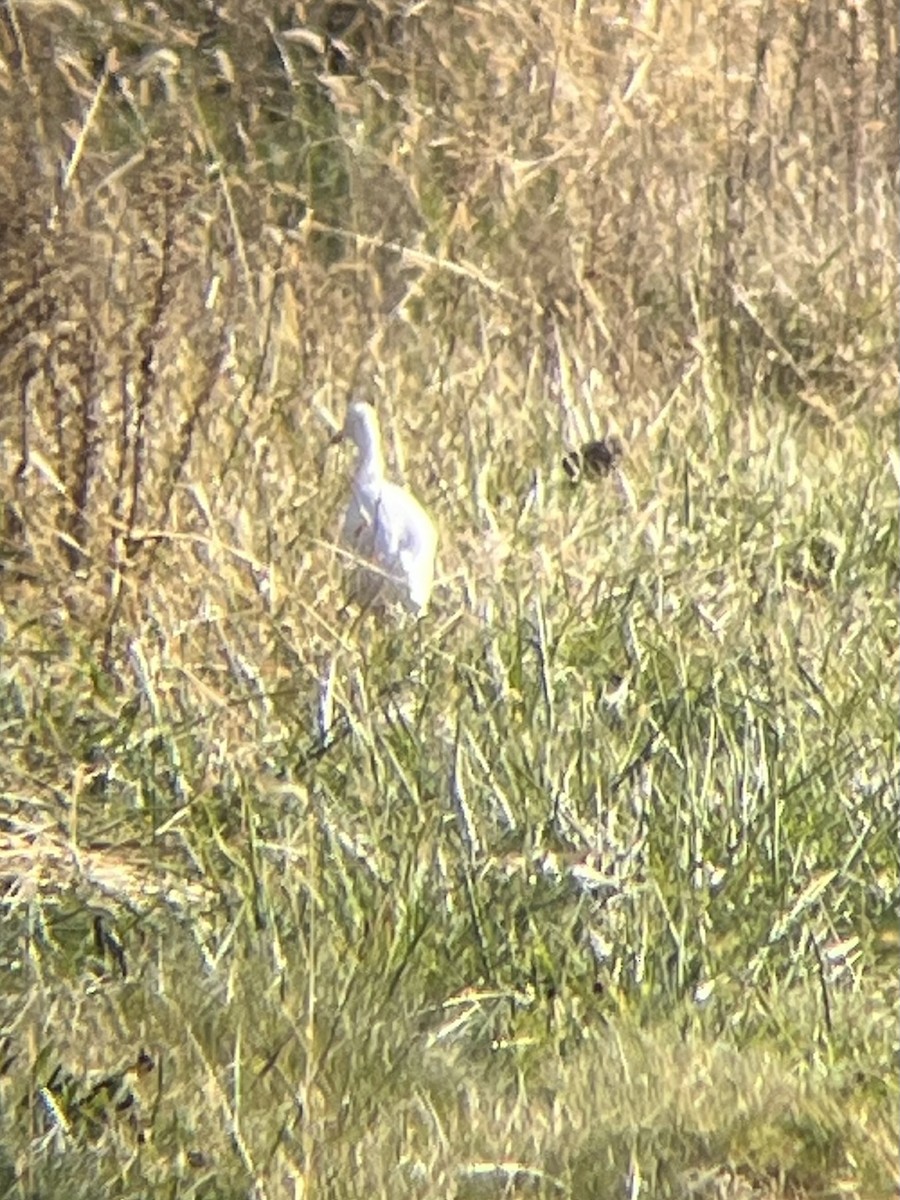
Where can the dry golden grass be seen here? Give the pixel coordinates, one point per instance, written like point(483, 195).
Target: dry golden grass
point(593, 884)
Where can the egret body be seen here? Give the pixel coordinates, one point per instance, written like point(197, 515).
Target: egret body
point(385, 527)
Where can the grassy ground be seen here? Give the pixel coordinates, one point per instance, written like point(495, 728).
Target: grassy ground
point(590, 889)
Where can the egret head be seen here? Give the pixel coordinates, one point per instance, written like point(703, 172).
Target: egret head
point(360, 425)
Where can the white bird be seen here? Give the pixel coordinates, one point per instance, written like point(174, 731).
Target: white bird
point(386, 528)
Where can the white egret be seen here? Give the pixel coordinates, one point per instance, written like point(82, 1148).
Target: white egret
point(385, 527)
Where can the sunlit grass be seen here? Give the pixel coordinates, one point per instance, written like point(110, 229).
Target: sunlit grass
point(599, 889)
point(587, 884)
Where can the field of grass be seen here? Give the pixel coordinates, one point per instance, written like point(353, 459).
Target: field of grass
point(587, 884)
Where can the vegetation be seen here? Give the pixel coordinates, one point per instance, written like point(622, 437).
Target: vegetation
point(587, 884)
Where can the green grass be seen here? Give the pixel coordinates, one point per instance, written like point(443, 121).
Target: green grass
point(604, 887)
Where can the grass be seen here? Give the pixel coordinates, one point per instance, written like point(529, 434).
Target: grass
point(590, 888)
